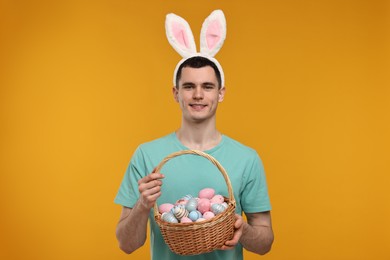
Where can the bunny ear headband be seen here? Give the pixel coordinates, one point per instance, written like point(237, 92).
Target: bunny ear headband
point(212, 36)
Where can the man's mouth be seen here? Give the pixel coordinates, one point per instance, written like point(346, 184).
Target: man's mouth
point(197, 106)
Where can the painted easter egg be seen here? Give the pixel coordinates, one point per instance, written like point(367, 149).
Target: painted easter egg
point(194, 215)
point(200, 219)
point(180, 211)
point(217, 208)
point(203, 205)
point(206, 193)
point(169, 217)
point(187, 197)
point(192, 204)
point(208, 215)
point(165, 207)
point(181, 202)
point(217, 199)
point(185, 220)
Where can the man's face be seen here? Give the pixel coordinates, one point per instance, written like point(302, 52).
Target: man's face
point(198, 94)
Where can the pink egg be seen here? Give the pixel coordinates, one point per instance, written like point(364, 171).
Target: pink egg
point(204, 205)
point(208, 215)
point(185, 220)
point(217, 199)
point(206, 193)
point(166, 207)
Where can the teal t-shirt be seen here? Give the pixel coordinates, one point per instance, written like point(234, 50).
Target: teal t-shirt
point(188, 174)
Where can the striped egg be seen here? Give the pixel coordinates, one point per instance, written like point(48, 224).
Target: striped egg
point(187, 197)
point(169, 217)
point(192, 204)
point(217, 208)
point(179, 212)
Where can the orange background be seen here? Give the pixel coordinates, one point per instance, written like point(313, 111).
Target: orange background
point(84, 82)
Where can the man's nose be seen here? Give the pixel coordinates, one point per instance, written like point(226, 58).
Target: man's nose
point(198, 92)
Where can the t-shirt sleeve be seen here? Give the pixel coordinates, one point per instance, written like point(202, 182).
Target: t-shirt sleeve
point(254, 196)
point(128, 193)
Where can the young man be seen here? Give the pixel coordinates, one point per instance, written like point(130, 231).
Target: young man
point(198, 91)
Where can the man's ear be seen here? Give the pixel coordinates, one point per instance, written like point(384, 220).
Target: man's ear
point(221, 94)
point(175, 93)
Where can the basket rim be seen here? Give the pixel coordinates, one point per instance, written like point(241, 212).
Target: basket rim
point(214, 161)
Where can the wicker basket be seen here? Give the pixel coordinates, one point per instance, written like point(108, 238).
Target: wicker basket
point(199, 237)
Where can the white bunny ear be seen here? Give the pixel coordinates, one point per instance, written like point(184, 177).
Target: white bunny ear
point(179, 35)
point(213, 33)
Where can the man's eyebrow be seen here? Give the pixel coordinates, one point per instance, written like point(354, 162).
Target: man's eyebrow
point(188, 84)
point(208, 84)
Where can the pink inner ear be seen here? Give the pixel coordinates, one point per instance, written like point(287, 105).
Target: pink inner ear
point(213, 34)
point(180, 34)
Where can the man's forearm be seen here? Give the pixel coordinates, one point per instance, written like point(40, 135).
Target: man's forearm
point(131, 229)
point(257, 239)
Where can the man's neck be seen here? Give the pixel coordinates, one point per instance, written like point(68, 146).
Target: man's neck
point(199, 136)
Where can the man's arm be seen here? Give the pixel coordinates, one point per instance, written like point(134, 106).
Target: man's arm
point(132, 226)
point(131, 229)
point(256, 235)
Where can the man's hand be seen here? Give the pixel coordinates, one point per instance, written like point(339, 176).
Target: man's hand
point(132, 226)
point(150, 189)
point(238, 227)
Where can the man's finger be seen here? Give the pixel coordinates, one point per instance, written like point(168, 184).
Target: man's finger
point(151, 177)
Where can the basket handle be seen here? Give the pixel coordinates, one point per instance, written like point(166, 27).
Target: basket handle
point(205, 155)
